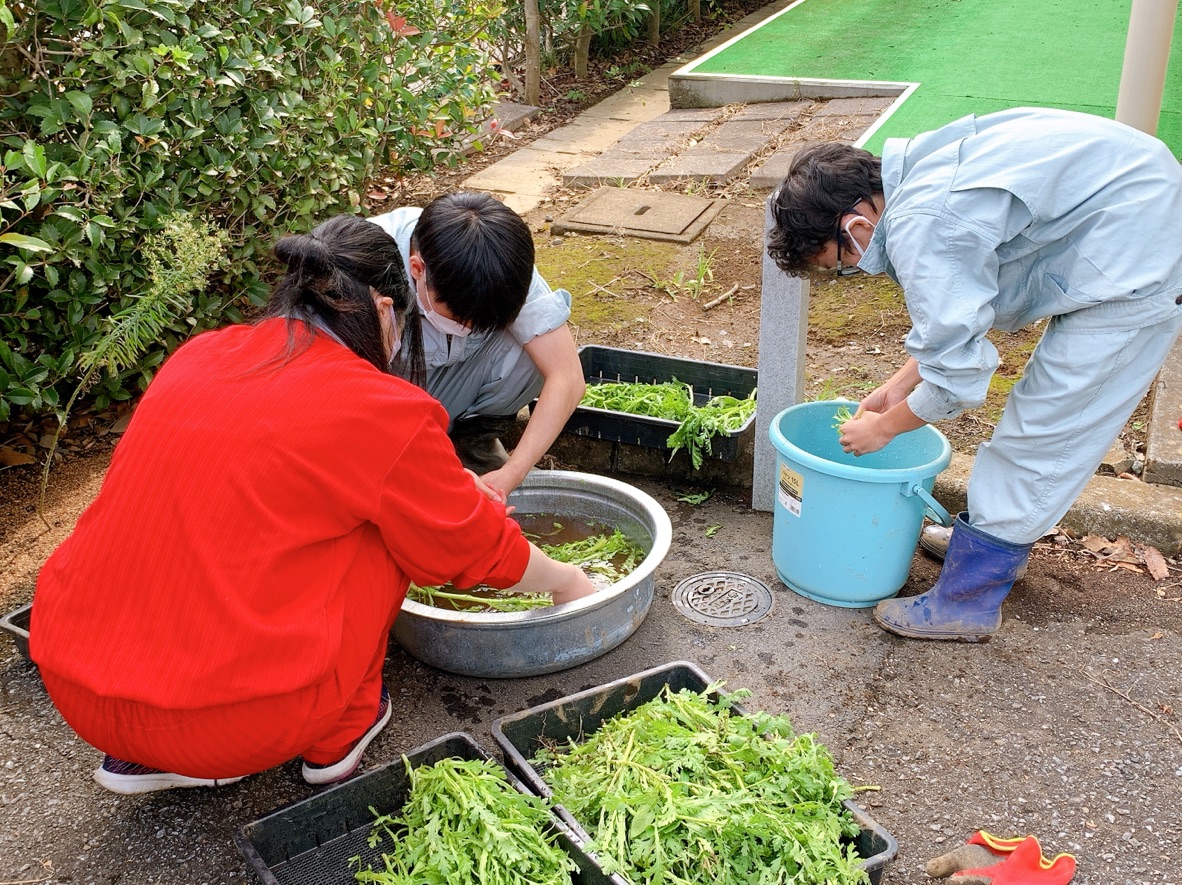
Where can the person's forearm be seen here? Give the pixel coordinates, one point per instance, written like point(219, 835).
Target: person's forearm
point(900, 419)
point(556, 402)
point(563, 581)
point(907, 378)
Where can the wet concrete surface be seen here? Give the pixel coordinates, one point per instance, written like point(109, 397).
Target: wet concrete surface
point(1064, 726)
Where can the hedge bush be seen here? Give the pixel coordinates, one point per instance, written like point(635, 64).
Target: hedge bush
point(254, 116)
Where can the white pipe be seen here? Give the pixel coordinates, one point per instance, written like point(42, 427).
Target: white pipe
point(1147, 52)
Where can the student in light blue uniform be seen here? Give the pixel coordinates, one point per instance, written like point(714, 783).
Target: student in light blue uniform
point(495, 336)
point(1001, 221)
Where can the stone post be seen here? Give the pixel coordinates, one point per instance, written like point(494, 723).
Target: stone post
point(783, 329)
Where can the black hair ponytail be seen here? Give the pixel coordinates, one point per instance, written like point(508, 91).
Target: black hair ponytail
point(330, 272)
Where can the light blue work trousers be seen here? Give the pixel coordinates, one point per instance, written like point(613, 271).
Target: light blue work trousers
point(1086, 376)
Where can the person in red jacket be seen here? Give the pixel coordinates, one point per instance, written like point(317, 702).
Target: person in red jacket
point(224, 604)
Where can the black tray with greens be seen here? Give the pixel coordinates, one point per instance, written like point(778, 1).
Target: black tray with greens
point(327, 838)
point(729, 388)
point(541, 744)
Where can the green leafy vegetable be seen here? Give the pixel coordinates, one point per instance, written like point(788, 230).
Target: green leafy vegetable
point(670, 400)
point(695, 498)
point(684, 790)
point(843, 414)
point(720, 415)
point(674, 401)
point(464, 824)
point(608, 557)
point(493, 600)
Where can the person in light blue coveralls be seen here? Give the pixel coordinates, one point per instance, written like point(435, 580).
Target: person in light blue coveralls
point(1001, 221)
point(495, 335)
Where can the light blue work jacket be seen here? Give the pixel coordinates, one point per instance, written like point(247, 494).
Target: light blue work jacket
point(1005, 219)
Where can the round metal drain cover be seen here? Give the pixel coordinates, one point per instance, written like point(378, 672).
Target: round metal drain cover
point(723, 599)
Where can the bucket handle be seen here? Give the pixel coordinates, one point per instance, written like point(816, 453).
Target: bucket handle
point(935, 511)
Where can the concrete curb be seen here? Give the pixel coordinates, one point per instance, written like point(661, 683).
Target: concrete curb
point(1108, 506)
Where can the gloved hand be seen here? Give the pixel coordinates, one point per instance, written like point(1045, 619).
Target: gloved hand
point(987, 860)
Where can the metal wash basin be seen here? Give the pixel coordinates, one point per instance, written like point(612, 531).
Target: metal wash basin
point(513, 644)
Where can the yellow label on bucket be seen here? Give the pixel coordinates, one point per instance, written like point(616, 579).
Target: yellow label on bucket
point(791, 491)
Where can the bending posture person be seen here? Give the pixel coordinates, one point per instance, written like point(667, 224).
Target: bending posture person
point(495, 335)
point(224, 604)
point(1001, 221)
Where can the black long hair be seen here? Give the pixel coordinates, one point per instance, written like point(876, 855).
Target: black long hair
point(329, 274)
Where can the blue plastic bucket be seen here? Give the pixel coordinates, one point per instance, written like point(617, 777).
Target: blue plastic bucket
point(844, 528)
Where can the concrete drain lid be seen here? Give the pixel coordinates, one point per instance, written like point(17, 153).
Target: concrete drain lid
point(676, 218)
point(723, 599)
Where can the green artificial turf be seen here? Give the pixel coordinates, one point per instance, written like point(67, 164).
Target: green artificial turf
point(969, 56)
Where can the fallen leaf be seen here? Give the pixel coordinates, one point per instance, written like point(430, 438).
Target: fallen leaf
point(1127, 566)
point(121, 425)
point(1156, 563)
point(1158, 636)
point(1095, 543)
point(12, 458)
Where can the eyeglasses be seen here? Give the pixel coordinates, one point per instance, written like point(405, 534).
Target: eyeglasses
point(841, 270)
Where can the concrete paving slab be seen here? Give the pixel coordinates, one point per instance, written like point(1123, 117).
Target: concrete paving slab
point(653, 148)
point(861, 106)
point(636, 105)
point(525, 171)
point(1117, 461)
point(749, 136)
point(620, 169)
point(585, 137)
point(770, 171)
point(717, 167)
point(662, 130)
point(511, 116)
point(773, 110)
point(1163, 449)
point(697, 115)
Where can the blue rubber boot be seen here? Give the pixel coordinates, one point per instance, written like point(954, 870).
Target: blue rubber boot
point(965, 603)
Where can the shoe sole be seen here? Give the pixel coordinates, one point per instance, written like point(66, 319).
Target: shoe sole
point(320, 776)
point(938, 637)
point(135, 784)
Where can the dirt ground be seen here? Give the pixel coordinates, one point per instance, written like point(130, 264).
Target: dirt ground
point(1068, 725)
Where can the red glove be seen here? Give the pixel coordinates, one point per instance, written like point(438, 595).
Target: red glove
point(1019, 862)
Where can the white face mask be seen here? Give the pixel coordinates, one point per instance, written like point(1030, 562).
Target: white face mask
point(442, 323)
point(396, 344)
point(853, 239)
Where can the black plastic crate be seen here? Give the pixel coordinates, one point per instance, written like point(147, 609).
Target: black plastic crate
point(311, 841)
point(602, 364)
point(16, 624)
point(521, 735)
